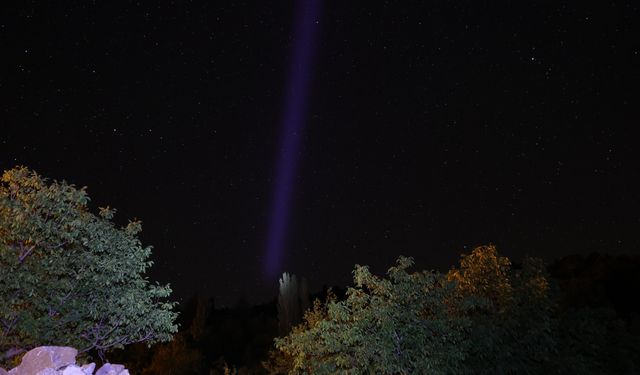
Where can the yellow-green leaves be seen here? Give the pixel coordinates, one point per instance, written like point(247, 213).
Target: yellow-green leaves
point(480, 318)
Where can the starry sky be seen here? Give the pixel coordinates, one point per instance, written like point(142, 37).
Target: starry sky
point(431, 127)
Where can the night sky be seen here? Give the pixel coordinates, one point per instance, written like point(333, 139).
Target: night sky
point(431, 127)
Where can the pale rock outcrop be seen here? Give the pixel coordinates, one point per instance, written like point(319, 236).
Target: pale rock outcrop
point(88, 369)
point(73, 370)
point(109, 369)
point(38, 360)
point(59, 360)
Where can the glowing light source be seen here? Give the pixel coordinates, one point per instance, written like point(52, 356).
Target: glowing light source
point(295, 107)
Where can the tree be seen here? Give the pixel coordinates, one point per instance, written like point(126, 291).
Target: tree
point(70, 277)
point(597, 317)
point(511, 330)
point(406, 324)
point(481, 318)
point(281, 361)
point(177, 357)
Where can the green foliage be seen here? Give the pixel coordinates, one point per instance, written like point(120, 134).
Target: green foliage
point(511, 329)
point(481, 318)
point(70, 277)
point(594, 341)
point(406, 324)
point(281, 361)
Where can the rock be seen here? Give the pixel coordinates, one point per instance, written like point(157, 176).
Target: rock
point(73, 370)
point(88, 369)
point(110, 369)
point(59, 360)
point(46, 357)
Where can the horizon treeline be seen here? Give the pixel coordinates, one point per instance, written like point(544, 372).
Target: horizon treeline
point(592, 323)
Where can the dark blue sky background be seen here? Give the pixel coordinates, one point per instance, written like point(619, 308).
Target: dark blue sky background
point(433, 127)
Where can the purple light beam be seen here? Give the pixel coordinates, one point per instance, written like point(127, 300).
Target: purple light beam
point(295, 107)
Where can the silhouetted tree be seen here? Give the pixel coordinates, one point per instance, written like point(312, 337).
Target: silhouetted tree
point(597, 315)
point(198, 324)
point(178, 357)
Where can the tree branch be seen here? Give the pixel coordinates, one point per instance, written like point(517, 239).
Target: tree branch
point(24, 252)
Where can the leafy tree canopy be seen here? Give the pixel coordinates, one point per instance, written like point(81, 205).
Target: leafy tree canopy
point(403, 324)
point(70, 277)
point(481, 318)
point(512, 323)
